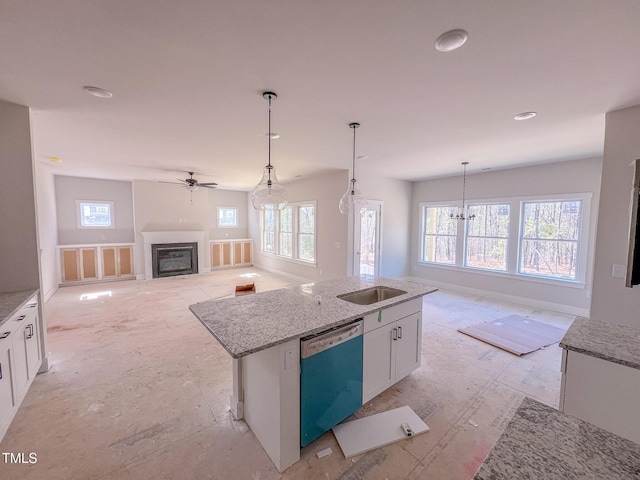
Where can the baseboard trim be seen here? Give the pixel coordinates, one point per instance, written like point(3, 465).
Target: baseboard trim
point(529, 302)
point(284, 274)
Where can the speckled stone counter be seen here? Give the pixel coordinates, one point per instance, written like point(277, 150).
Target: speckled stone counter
point(614, 343)
point(11, 302)
point(250, 323)
point(541, 442)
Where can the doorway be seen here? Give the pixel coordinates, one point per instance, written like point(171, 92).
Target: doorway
point(366, 234)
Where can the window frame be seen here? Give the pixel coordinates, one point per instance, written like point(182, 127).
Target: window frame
point(423, 234)
point(578, 241)
point(235, 216)
point(295, 254)
point(513, 253)
point(467, 237)
point(79, 218)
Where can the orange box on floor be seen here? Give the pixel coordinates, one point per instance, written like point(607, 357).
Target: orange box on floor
point(245, 289)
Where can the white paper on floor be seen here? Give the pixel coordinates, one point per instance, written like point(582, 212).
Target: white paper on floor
point(368, 433)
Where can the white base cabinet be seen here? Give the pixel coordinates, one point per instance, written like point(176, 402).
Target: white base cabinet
point(601, 392)
point(20, 359)
point(392, 346)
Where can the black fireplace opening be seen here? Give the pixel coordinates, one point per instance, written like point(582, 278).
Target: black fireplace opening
point(170, 259)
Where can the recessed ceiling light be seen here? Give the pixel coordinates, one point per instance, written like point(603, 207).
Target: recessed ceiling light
point(273, 135)
point(97, 92)
point(362, 157)
point(525, 115)
point(451, 40)
point(55, 159)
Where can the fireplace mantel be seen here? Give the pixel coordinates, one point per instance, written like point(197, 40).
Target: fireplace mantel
point(174, 236)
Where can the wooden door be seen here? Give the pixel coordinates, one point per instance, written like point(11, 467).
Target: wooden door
point(246, 253)
point(226, 254)
point(216, 254)
point(70, 265)
point(89, 264)
point(125, 261)
point(237, 253)
point(109, 268)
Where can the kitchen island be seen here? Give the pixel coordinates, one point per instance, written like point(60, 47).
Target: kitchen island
point(542, 442)
point(262, 334)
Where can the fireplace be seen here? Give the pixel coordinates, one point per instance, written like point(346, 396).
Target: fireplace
point(170, 259)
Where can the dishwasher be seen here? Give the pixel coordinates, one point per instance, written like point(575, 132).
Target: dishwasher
point(330, 379)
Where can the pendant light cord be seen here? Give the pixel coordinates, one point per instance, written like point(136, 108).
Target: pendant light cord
point(269, 164)
point(353, 179)
point(464, 185)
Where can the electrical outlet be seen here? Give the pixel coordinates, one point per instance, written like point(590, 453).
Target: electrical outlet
point(618, 271)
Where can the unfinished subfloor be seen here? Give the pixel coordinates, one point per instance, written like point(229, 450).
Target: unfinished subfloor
point(139, 389)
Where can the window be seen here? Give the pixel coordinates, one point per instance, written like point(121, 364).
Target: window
point(94, 214)
point(286, 232)
point(549, 242)
point(227, 217)
point(290, 232)
point(487, 237)
point(268, 230)
point(306, 233)
point(439, 240)
point(542, 237)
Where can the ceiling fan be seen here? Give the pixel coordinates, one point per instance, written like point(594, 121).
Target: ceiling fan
point(192, 184)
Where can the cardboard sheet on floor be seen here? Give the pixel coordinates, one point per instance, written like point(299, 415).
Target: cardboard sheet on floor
point(515, 334)
point(368, 433)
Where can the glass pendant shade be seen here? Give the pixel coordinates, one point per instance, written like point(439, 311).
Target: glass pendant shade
point(269, 193)
point(352, 201)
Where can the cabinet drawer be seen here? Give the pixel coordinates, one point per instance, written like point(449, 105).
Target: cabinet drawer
point(391, 314)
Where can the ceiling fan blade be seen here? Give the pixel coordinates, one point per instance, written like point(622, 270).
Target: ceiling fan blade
point(172, 183)
point(208, 184)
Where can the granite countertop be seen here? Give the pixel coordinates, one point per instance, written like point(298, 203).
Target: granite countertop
point(541, 442)
point(614, 343)
point(247, 324)
point(11, 302)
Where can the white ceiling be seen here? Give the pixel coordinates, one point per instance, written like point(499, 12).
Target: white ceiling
point(187, 78)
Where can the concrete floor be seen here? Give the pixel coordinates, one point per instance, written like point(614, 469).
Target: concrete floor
point(139, 389)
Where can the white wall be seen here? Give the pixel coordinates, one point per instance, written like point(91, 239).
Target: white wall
point(579, 176)
point(47, 228)
point(70, 189)
point(331, 261)
point(18, 237)
point(612, 301)
point(228, 198)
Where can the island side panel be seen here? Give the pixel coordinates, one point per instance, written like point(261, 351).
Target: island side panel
point(271, 400)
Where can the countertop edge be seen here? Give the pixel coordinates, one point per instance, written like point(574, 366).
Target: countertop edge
point(244, 353)
point(22, 303)
point(600, 355)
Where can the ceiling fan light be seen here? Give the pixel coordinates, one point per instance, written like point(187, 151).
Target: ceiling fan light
point(192, 188)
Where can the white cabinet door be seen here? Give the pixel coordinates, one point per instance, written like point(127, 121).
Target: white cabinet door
point(19, 366)
point(32, 348)
point(379, 361)
point(6, 389)
point(408, 345)
point(602, 393)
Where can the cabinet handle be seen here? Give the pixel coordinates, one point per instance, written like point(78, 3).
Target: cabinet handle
point(399, 332)
point(0, 371)
point(20, 318)
point(4, 335)
point(395, 334)
point(30, 327)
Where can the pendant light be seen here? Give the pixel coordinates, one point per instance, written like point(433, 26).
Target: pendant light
point(461, 213)
point(269, 193)
point(353, 201)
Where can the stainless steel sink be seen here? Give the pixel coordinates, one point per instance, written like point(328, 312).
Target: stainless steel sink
point(372, 295)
